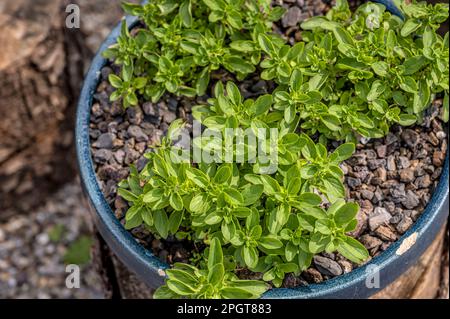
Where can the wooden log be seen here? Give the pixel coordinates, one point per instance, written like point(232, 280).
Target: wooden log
point(42, 66)
point(423, 280)
point(36, 103)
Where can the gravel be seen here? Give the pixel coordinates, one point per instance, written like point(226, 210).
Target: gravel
point(327, 266)
point(31, 262)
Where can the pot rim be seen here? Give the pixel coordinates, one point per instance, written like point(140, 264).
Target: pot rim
point(149, 268)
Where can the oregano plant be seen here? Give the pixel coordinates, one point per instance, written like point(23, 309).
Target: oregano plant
point(352, 74)
point(361, 72)
point(181, 43)
point(266, 222)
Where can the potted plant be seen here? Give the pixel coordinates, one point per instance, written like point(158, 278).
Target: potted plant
point(294, 104)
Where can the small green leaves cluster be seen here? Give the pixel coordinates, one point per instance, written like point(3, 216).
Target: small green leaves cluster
point(216, 280)
point(361, 72)
point(272, 223)
point(182, 42)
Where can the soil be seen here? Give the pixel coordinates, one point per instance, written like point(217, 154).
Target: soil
point(392, 178)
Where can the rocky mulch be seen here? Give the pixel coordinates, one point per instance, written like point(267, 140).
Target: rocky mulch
point(32, 250)
point(392, 178)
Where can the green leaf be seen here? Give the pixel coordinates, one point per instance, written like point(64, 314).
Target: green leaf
point(237, 64)
point(266, 44)
point(414, 64)
point(294, 185)
point(161, 223)
point(346, 213)
point(127, 195)
point(296, 80)
point(245, 46)
point(175, 221)
point(250, 255)
point(215, 256)
point(185, 13)
point(222, 175)
point(164, 292)
point(199, 204)
point(251, 194)
point(262, 104)
point(271, 186)
point(213, 218)
point(310, 199)
point(317, 243)
point(79, 252)
point(332, 122)
point(270, 242)
point(409, 85)
point(147, 216)
point(198, 177)
point(115, 81)
point(255, 287)
point(445, 108)
point(342, 152)
point(202, 82)
point(342, 36)
point(290, 251)
point(218, 5)
point(235, 20)
point(333, 187)
point(175, 201)
point(235, 293)
point(423, 97)
point(233, 196)
point(309, 148)
point(216, 273)
point(381, 68)
point(180, 288)
point(233, 93)
point(376, 90)
point(353, 250)
point(409, 27)
point(407, 119)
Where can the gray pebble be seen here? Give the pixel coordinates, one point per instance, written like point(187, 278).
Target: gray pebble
point(150, 109)
point(403, 162)
point(423, 181)
point(404, 225)
point(381, 151)
point(353, 182)
point(105, 140)
point(102, 156)
point(390, 164)
point(136, 132)
point(327, 266)
point(369, 241)
point(135, 115)
point(406, 175)
point(366, 194)
point(411, 200)
point(119, 156)
point(410, 137)
point(379, 217)
point(376, 163)
point(292, 17)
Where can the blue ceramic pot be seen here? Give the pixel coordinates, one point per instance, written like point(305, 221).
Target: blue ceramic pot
point(390, 264)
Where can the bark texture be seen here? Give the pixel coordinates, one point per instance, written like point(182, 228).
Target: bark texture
point(42, 65)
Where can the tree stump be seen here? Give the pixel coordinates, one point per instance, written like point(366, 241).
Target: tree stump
point(42, 66)
point(36, 102)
